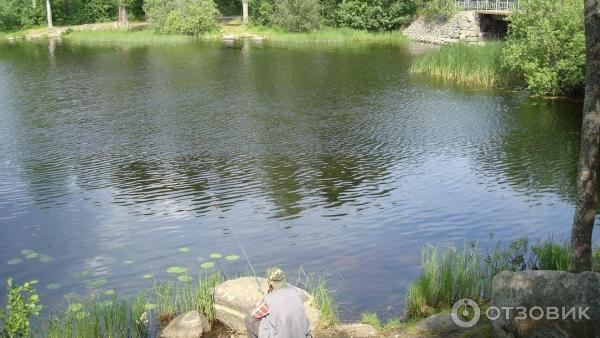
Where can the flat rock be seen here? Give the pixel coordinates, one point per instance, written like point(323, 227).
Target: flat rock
point(438, 323)
point(188, 325)
point(547, 289)
point(235, 298)
point(358, 330)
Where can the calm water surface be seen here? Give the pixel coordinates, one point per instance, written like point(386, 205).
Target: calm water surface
point(334, 159)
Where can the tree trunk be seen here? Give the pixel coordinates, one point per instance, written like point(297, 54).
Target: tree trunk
point(49, 13)
point(123, 16)
point(585, 212)
point(245, 12)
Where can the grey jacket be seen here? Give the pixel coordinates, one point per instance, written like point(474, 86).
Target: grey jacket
point(286, 318)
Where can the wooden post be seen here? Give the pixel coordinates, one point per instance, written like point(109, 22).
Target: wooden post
point(123, 20)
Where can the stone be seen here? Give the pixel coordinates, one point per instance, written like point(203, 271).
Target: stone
point(235, 298)
point(188, 325)
point(357, 330)
point(546, 289)
point(440, 323)
point(442, 31)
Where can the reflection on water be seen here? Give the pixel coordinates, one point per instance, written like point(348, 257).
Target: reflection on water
point(329, 158)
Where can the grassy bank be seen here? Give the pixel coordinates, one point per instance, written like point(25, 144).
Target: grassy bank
point(471, 65)
point(123, 36)
point(106, 314)
point(449, 273)
point(326, 35)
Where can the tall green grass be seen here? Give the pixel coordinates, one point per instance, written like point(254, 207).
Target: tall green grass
point(467, 64)
point(133, 317)
point(335, 35)
point(449, 273)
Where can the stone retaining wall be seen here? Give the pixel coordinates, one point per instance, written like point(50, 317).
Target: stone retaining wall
point(464, 26)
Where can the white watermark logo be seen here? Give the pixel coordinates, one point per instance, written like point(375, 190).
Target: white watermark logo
point(466, 313)
point(460, 313)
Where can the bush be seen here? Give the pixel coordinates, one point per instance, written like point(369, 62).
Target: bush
point(546, 43)
point(596, 260)
point(297, 15)
point(188, 17)
point(375, 15)
point(262, 11)
point(21, 305)
point(438, 8)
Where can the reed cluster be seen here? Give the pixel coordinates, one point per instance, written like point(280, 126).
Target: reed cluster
point(449, 273)
point(468, 64)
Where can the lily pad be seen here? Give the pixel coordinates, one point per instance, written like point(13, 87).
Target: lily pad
point(207, 265)
point(176, 269)
point(83, 273)
point(184, 249)
point(75, 307)
point(232, 257)
point(53, 286)
point(97, 283)
point(32, 255)
point(14, 261)
point(110, 292)
point(149, 306)
point(27, 252)
point(184, 278)
point(107, 303)
point(215, 255)
point(45, 258)
point(148, 276)
point(128, 262)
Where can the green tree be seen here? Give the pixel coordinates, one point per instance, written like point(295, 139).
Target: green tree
point(546, 43)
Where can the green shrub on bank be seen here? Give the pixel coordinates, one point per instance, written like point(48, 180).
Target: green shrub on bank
point(186, 17)
point(546, 43)
point(463, 63)
point(21, 304)
point(378, 15)
point(437, 8)
point(297, 15)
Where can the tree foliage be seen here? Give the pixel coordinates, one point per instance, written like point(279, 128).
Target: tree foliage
point(546, 43)
point(375, 15)
point(189, 17)
point(297, 15)
point(15, 14)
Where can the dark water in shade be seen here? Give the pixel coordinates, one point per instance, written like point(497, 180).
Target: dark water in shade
point(330, 158)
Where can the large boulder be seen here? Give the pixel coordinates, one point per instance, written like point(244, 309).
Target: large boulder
point(235, 298)
point(548, 290)
point(188, 325)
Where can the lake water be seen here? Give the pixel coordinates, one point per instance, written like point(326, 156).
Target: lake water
point(330, 158)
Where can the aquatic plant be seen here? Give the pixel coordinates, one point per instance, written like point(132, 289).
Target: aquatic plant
point(176, 269)
point(232, 257)
point(148, 276)
point(449, 274)
point(215, 255)
point(207, 265)
point(467, 64)
point(184, 249)
point(370, 318)
point(53, 286)
point(14, 261)
point(95, 284)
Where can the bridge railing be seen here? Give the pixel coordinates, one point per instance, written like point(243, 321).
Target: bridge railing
point(489, 5)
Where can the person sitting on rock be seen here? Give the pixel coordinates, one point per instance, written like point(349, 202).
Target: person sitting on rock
point(280, 314)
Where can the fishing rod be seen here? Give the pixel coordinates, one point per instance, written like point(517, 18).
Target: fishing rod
point(218, 206)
